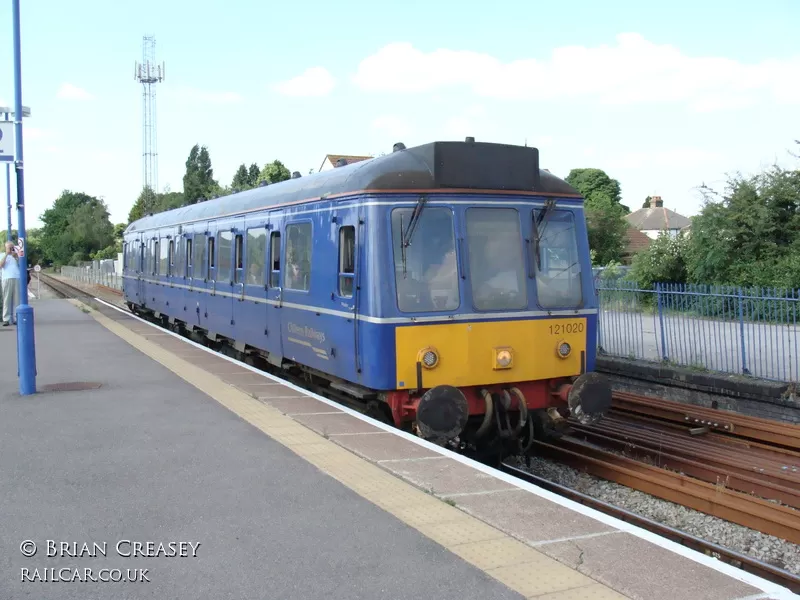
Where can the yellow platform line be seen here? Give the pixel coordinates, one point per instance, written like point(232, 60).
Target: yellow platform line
point(513, 563)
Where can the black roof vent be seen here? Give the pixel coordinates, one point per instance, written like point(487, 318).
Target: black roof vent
point(470, 140)
point(296, 175)
point(342, 162)
point(263, 183)
point(398, 146)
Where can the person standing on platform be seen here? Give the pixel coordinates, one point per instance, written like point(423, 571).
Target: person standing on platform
point(10, 267)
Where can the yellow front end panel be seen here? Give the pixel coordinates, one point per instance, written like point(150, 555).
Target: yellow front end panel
point(468, 353)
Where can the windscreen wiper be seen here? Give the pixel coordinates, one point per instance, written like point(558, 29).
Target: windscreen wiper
point(415, 216)
point(405, 236)
point(539, 226)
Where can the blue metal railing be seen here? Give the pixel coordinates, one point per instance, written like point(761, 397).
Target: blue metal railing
point(751, 331)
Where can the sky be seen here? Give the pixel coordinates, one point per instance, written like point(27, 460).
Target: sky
point(662, 96)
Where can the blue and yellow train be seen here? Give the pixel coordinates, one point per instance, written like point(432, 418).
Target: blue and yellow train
point(446, 287)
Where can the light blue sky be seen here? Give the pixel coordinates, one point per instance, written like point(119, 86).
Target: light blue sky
point(663, 96)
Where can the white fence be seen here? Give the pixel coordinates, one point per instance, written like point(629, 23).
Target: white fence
point(99, 272)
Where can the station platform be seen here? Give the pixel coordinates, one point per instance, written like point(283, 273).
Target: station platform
point(142, 451)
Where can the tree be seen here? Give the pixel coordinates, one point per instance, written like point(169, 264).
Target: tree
point(159, 203)
point(199, 179)
point(751, 235)
point(663, 261)
point(75, 227)
point(606, 225)
point(241, 179)
point(252, 175)
point(274, 172)
point(593, 181)
point(605, 216)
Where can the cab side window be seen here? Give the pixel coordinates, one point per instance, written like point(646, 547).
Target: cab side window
point(275, 259)
point(347, 262)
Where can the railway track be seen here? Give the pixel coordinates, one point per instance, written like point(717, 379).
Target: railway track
point(709, 498)
point(776, 433)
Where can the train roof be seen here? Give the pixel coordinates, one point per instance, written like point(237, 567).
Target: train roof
point(437, 166)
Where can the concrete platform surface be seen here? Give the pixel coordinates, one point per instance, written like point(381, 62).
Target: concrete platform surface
point(148, 458)
point(438, 524)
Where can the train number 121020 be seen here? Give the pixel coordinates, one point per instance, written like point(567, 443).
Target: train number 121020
point(562, 328)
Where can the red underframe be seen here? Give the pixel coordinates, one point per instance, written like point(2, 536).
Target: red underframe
point(538, 394)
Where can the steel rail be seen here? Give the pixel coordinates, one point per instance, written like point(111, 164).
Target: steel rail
point(736, 507)
point(774, 432)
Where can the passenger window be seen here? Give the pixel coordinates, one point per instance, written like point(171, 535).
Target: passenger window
point(426, 272)
point(210, 269)
point(256, 254)
point(142, 249)
point(163, 268)
point(275, 259)
point(347, 255)
point(496, 259)
point(224, 259)
point(198, 266)
point(238, 260)
point(187, 259)
point(298, 256)
point(154, 257)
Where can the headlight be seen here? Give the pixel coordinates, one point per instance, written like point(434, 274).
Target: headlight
point(428, 357)
point(563, 349)
point(503, 357)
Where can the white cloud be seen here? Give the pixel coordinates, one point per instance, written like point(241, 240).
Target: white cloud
point(315, 81)
point(634, 70)
point(67, 91)
point(392, 125)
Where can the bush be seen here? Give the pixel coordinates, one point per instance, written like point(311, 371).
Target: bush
point(664, 261)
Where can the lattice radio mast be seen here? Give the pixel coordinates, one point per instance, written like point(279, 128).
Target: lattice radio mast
point(148, 73)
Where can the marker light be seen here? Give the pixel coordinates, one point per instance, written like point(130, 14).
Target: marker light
point(503, 358)
point(428, 357)
point(564, 349)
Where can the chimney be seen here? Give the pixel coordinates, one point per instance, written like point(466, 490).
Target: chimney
point(656, 202)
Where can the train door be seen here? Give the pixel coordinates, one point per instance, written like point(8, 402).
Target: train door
point(359, 262)
point(223, 299)
point(196, 273)
point(141, 264)
point(210, 272)
point(274, 290)
point(250, 307)
point(345, 335)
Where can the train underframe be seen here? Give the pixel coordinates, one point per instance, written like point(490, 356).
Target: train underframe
point(495, 420)
point(502, 418)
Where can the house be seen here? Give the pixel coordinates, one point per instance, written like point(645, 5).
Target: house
point(657, 218)
point(635, 242)
point(331, 160)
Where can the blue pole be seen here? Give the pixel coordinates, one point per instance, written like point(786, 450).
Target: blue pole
point(26, 347)
point(8, 196)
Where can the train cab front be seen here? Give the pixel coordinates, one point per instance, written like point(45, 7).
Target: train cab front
point(489, 382)
point(501, 330)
